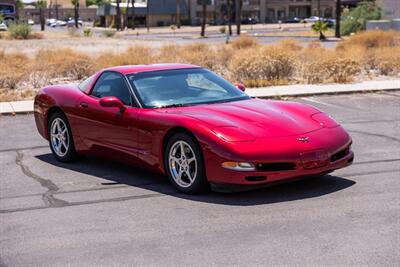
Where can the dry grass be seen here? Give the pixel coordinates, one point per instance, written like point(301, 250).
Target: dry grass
point(368, 54)
point(244, 42)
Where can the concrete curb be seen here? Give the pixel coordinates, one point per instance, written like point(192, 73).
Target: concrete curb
point(20, 107)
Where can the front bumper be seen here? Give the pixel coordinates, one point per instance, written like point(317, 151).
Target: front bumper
point(283, 158)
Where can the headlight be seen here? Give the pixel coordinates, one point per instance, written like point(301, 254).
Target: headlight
point(238, 166)
point(324, 120)
point(232, 134)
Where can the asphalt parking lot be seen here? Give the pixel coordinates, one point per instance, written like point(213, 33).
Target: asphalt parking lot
point(101, 213)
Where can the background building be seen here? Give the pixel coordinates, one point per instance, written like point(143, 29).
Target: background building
point(267, 10)
point(8, 9)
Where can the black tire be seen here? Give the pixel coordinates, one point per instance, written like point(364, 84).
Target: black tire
point(200, 183)
point(70, 152)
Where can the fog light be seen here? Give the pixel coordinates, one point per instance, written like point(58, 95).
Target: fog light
point(238, 166)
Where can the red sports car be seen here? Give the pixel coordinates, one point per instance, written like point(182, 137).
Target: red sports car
point(190, 124)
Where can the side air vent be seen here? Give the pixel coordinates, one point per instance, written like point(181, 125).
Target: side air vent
point(341, 154)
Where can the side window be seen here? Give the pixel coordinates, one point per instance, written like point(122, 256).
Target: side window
point(83, 86)
point(112, 84)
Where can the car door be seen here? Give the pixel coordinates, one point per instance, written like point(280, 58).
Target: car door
point(108, 127)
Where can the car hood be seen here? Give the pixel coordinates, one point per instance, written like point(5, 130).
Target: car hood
point(260, 118)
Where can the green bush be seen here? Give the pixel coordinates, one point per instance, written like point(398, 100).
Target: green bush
point(108, 33)
point(19, 30)
point(355, 19)
point(87, 32)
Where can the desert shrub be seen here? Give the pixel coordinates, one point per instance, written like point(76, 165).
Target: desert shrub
point(355, 19)
point(134, 55)
point(385, 60)
point(244, 41)
point(169, 53)
point(291, 44)
point(13, 68)
point(72, 31)
point(64, 62)
point(331, 69)
point(19, 30)
point(222, 29)
point(372, 39)
point(109, 33)
point(198, 54)
point(263, 65)
point(87, 32)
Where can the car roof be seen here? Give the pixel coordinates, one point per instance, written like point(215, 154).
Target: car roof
point(130, 69)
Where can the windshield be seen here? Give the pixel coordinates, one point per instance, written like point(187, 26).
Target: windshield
point(183, 87)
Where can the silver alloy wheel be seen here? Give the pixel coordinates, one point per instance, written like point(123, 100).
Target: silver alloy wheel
point(59, 137)
point(182, 163)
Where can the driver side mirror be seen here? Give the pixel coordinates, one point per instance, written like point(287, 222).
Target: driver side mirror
point(240, 86)
point(112, 102)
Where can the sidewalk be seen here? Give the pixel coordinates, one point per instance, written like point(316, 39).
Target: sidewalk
point(15, 107)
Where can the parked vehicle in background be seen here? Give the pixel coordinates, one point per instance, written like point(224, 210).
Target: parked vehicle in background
point(293, 20)
point(331, 22)
point(49, 22)
point(30, 22)
point(71, 22)
point(249, 21)
point(3, 26)
point(312, 19)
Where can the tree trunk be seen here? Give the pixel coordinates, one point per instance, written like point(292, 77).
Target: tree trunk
point(148, 15)
point(118, 17)
point(76, 11)
point(133, 14)
point(229, 6)
point(56, 6)
point(238, 16)
point(42, 22)
point(215, 12)
point(127, 14)
point(338, 17)
point(204, 14)
point(178, 14)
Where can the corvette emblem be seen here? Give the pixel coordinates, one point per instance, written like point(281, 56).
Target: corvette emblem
point(303, 139)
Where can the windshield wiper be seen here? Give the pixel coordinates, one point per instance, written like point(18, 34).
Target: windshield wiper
point(172, 106)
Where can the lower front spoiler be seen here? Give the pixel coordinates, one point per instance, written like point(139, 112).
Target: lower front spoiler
point(234, 188)
point(279, 178)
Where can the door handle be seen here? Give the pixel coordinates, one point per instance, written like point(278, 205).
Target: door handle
point(84, 105)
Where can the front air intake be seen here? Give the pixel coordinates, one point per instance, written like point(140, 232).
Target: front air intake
point(279, 166)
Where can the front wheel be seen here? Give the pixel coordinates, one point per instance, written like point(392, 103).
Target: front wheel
point(184, 164)
point(61, 141)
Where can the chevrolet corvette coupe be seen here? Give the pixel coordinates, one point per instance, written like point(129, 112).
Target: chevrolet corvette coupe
point(190, 124)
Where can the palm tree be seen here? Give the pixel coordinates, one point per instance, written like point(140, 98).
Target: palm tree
point(76, 12)
point(338, 17)
point(41, 4)
point(178, 14)
point(204, 14)
point(229, 6)
point(238, 15)
point(320, 27)
point(118, 17)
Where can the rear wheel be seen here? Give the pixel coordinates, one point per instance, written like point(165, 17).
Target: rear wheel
point(184, 164)
point(60, 138)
